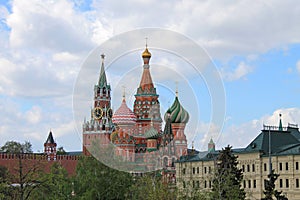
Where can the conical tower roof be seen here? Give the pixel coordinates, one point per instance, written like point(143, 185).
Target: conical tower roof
point(50, 139)
point(102, 78)
point(146, 83)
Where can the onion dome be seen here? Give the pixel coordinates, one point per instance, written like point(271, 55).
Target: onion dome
point(151, 133)
point(124, 115)
point(146, 57)
point(146, 53)
point(177, 113)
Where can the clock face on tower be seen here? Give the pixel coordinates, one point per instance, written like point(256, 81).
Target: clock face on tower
point(109, 113)
point(98, 112)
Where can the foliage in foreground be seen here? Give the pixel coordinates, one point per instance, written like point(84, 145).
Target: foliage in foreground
point(228, 178)
point(270, 190)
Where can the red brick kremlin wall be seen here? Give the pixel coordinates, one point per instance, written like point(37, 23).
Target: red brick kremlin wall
point(40, 161)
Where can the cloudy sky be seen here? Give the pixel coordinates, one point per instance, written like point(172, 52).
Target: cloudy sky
point(254, 45)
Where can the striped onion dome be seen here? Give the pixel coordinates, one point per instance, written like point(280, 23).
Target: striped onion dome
point(124, 115)
point(151, 133)
point(177, 113)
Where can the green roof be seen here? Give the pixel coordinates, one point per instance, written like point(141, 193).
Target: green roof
point(284, 141)
point(151, 133)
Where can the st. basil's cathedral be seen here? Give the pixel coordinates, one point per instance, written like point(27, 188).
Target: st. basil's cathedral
point(137, 134)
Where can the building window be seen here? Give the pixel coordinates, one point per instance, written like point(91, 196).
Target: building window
point(193, 184)
point(183, 171)
point(286, 166)
point(253, 167)
point(197, 184)
point(297, 183)
point(297, 165)
point(209, 184)
point(280, 166)
point(248, 168)
point(193, 170)
point(209, 170)
point(254, 183)
point(265, 166)
point(287, 185)
point(197, 170)
point(244, 184)
point(183, 184)
point(249, 183)
point(204, 170)
point(243, 168)
point(280, 183)
point(204, 184)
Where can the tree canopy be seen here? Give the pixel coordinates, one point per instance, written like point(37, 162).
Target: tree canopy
point(270, 190)
point(228, 178)
point(16, 147)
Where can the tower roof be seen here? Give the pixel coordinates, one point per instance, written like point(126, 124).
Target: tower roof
point(151, 133)
point(177, 113)
point(146, 84)
point(124, 115)
point(102, 78)
point(50, 139)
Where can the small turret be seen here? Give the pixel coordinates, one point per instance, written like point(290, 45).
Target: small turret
point(50, 147)
point(211, 146)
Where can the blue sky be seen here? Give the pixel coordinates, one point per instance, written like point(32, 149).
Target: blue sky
point(255, 46)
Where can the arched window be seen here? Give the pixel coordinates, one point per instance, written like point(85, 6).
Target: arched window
point(166, 162)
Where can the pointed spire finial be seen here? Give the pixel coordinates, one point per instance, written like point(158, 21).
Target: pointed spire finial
point(280, 123)
point(124, 88)
point(102, 57)
point(146, 42)
point(176, 92)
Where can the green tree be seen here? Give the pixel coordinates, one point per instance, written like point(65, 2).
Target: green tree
point(192, 192)
point(228, 178)
point(55, 185)
point(270, 190)
point(61, 151)
point(149, 187)
point(94, 180)
point(4, 182)
point(16, 147)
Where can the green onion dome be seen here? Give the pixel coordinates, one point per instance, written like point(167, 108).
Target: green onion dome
point(151, 133)
point(177, 113)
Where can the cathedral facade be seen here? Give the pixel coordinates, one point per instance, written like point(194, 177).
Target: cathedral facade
point(137, 134)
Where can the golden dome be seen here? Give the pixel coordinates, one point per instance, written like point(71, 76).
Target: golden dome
point(146, 53)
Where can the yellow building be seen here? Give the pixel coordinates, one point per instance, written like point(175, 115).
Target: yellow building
point(197, 170)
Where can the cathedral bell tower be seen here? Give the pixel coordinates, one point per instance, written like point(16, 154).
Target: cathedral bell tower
point(100, 126)
point(102, 112)
point(146, 104)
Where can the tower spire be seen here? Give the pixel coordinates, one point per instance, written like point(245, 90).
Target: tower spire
point(280, 123)
point(176, 92)
point(123, 96)
point(102, 79)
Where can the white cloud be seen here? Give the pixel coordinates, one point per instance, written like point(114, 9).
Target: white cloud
point(240, 72)
point(64, 57)
point(241, 135)
point(3, 12)
point(52, 25)
point(34, 115)
point(225, 29)
point(298, 66)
